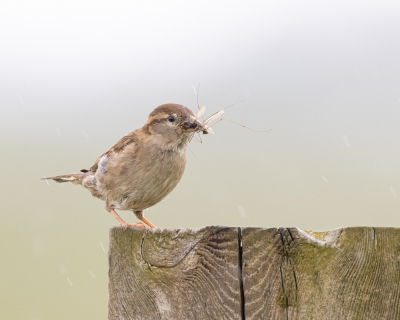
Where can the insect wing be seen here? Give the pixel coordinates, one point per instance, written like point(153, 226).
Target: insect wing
point(200, 113)
point(213, 117)
point(210, 130)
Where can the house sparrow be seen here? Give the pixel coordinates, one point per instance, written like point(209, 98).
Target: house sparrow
point(144, 166)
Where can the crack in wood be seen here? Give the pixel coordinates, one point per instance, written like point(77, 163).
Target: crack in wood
point(290, 234)
point(375, 240)
point(141, 250)
point(295, 279)
point(283, 241)
point(340, 234)
point(283, 286)
point(287, 238)
point(240, 246)
point(284, 296)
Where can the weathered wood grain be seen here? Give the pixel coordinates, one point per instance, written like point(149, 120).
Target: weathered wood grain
point(287, 273)
point(350, 273)
point(174, 274)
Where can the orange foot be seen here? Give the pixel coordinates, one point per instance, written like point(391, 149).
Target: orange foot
point(137, 224)
point(126, 224)
point(139, 215)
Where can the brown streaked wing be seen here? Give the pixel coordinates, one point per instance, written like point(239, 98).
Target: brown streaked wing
point(117, 148)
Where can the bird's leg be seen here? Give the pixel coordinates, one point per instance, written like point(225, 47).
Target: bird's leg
point(125, 224)
point(139, 215)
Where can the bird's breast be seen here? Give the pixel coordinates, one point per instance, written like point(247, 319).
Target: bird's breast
point(139, 180)
point(161, 178)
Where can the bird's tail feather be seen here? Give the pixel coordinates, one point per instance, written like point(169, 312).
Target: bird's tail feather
point(75, 178)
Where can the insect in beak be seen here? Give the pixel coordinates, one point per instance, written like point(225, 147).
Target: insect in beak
point(192, 125)
point(207, 129)
point(203, 126)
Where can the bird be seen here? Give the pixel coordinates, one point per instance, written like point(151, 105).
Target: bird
point(144, 166)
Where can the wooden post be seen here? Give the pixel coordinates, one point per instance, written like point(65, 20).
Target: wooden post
point(174, 274)
point(254, 273)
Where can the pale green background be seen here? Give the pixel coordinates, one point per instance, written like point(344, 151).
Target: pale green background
point(75, 76)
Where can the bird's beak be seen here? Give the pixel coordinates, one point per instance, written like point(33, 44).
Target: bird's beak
point(192, 126)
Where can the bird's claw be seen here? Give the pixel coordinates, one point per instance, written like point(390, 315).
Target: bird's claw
point(136, 225)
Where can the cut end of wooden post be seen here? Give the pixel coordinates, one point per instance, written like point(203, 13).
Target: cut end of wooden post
point(218, 272)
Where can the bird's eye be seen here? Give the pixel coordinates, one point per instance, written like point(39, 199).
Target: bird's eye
point(171, 119)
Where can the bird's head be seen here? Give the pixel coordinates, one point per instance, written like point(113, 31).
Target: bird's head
point(172, 124)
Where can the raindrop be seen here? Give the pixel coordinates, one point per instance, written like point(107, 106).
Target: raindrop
point(58, 132)
point(242, 213)
point(194, 89)
point(85, 135)
point(20, 100)
point(346, 141)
